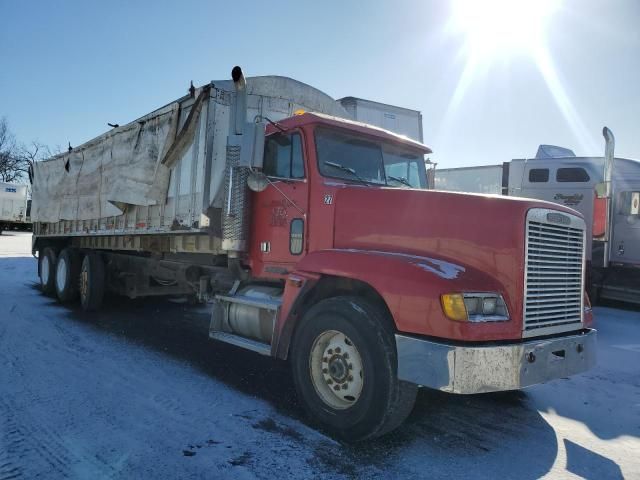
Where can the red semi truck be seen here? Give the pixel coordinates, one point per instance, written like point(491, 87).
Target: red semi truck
point(316, 241)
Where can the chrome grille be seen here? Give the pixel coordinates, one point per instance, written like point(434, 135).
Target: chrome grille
point(554, 272)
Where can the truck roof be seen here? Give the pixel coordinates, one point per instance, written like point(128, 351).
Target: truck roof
point(363, 128)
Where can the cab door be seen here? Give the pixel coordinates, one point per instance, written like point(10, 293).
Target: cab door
point(279, 227)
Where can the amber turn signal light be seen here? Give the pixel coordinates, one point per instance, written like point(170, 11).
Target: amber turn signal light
point(453, 306)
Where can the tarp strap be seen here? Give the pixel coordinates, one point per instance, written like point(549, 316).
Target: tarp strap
point(184, 139)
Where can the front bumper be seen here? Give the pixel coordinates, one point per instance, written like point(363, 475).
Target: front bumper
point(492, 368)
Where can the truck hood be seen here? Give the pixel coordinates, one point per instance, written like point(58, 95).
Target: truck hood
point(462, 226)
point(485, 233)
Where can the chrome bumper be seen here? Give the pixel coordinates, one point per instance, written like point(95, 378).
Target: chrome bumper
point(480, 369)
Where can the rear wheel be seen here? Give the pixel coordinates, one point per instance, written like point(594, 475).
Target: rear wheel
point(344, 365)
point(92, 282)
point(67, 275)
point(46, 269)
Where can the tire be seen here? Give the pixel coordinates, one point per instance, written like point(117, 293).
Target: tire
point(67, 278)
point(92, 282)
point(355, 394)
point(46, 270)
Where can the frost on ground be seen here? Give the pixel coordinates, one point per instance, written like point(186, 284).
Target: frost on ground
point(138, 391)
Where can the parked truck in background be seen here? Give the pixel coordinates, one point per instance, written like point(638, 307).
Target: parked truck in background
point(316, 241)
point(14, 207)
point(555, 174)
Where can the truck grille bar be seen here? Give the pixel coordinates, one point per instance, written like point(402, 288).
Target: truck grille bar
point(554, 273)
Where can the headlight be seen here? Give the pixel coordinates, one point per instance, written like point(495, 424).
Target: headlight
point(474, 307)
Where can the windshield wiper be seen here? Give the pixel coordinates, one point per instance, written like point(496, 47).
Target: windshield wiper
point(348, 170)
point(401, 180)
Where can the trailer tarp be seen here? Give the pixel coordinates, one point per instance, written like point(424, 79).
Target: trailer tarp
point(123, 166)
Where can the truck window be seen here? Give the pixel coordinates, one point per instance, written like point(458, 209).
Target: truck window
point(539, 175)
point(629, 203)
point(338, 152)
point(296, 236)
point(575, 174)
point(347, 156)
point(283, 156)
point(403, 168)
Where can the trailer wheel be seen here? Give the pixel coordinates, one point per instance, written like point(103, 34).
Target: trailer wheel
point(47, 269)
point(67, 277)
point(344, 365)
point(92, 282)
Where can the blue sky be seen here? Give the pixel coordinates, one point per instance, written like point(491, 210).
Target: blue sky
point(69, 67)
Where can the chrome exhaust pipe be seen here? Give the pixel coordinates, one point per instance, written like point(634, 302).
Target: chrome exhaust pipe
point(610, 144)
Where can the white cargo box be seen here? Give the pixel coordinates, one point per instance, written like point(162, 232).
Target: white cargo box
point(483, 179)
point(402, 121)
point(13, 203)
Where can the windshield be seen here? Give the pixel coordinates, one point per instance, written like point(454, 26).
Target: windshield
point(344, 155)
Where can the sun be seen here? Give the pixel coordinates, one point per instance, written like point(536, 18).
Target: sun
point(501, 27)
point(499, 30)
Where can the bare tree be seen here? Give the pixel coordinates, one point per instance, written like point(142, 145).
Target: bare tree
point(15, 159)
point(8, 154)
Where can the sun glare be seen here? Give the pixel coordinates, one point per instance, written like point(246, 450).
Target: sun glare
point(496, 31)
point(499, 27)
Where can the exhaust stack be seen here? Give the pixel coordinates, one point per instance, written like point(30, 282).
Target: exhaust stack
point(610, 143)
point(235, 219)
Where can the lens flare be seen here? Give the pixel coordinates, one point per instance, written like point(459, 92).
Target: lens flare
point(499, 27)
point(498, 30)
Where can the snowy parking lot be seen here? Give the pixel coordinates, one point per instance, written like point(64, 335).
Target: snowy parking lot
point(138, 391)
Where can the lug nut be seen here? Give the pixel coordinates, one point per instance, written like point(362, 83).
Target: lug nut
point(350, 378)
point(351, 366)
point(325, 360)
point(330, 352)
point(336, 387)
point(344, 386)
point(329, 381)
point(338, 350)
point(324, 370)
point(346, 355)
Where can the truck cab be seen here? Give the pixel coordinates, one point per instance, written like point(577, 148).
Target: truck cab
point(308, 159)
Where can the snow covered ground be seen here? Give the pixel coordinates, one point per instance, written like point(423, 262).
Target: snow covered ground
point(138, 391)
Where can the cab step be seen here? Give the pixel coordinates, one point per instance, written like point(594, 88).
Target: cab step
point(242, 342)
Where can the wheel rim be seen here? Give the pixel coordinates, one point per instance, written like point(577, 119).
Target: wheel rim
point(336, 369)
point(61, 274)
point(44, 270)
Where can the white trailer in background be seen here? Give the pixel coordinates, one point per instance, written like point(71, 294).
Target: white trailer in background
point(402, 121)
point(483, 179)
point(608, 198)
point(14, 207)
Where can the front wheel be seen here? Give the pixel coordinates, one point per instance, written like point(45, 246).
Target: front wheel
point(344, 364)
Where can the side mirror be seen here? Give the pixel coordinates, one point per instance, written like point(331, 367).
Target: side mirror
point(257, 181)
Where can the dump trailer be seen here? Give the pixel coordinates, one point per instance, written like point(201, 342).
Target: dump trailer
point(301, 229)
point(14, 207)
point(605, 190)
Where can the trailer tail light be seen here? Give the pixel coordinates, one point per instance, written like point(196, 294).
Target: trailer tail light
point(599, 217)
